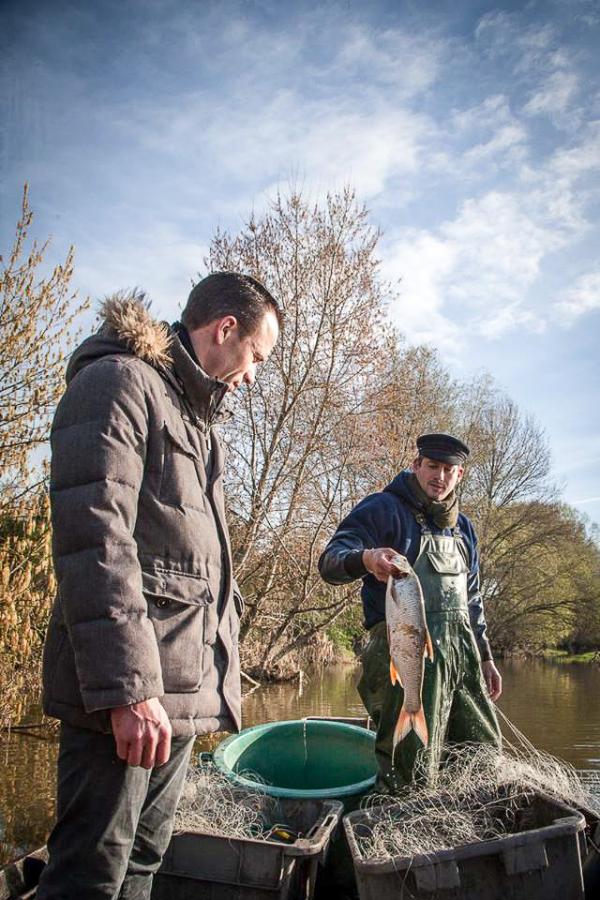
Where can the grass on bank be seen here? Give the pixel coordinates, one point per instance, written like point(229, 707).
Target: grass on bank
point(563, 656)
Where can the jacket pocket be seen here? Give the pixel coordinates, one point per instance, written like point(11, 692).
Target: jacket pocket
point(182, 462)
point(177, 609)
point(447, 563)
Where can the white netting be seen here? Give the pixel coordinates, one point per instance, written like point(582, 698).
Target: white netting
point(211, 802)
point(476, 796)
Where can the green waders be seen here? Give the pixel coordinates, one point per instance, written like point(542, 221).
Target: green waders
point(455, 699)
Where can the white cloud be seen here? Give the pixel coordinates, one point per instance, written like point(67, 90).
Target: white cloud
point(343, 137)
point(582, 298)
point(475, 275)
point(501, 246)
point(384, 143)
point(555, 95)
point(410, 63)
point(508, 143)
point(580, 159)
point(506, 319)
point(421, 263)
point(489, 137)
point(536, 38)
point(505, 34)
point(490, 113)
point(542, 66)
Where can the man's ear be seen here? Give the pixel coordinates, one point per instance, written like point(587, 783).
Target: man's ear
point(416, 463)
point(461, 472)
point(224, 328)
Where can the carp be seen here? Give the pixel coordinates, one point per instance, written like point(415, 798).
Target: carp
point(409, 643)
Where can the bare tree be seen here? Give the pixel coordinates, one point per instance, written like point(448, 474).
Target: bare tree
point(521, 526)
point(335, 416)
point(542, 583)
point(415, 395)
point(302, 429)
point(510, 450)
point(36, 318)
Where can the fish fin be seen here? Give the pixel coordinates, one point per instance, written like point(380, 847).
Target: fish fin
point(419, 724)
point(428, 645)
point(394, 674)
point(403, 726)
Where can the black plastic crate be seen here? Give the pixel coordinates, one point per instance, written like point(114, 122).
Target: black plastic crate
point(540, 860)
point(208, 866)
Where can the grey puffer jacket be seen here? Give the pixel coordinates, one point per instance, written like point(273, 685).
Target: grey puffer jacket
point(146, 604)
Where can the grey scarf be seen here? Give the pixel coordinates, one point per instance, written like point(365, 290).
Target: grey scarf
point(443, 512)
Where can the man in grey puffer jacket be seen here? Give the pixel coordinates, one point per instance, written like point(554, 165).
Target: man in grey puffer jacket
point(141, 653)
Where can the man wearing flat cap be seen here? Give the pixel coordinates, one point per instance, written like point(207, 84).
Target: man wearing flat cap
point(417, 516)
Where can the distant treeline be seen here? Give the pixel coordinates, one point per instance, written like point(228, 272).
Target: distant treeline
point(332, 418)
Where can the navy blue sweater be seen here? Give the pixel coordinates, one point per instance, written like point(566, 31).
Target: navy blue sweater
point(386, 519)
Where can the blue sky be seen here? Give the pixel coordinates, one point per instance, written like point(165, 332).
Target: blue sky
point(470, 129)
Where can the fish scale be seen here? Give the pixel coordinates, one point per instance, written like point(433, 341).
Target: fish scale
point(409, 643)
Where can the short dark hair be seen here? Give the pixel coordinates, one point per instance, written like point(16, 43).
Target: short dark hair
point(229, 294)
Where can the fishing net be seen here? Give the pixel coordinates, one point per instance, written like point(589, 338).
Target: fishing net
point(479, 794)
point(211, 802)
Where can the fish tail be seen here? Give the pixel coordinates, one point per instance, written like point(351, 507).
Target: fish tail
point(420, 726)
point(408, 722)
point(403, 726)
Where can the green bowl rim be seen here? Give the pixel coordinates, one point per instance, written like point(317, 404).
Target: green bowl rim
point(359, 787)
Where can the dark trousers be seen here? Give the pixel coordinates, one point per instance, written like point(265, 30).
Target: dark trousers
point(114, 821)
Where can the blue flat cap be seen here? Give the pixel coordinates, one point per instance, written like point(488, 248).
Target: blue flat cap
point(443, 447)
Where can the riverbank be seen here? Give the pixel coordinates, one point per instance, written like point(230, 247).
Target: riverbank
point(563, 656)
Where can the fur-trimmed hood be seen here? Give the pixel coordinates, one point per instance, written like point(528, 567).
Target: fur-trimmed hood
point(127, 316)
point(127, 328)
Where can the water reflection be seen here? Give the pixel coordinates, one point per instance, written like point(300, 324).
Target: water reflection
point(27, 766)
point(330, 692)
point(556, 707)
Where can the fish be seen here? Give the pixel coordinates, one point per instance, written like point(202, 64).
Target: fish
point(409, 642)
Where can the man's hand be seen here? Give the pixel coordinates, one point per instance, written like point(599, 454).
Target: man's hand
point(379, 562)
point(142, 733)
point(493, 679)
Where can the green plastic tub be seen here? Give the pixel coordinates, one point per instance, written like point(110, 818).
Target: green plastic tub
point(302, 759)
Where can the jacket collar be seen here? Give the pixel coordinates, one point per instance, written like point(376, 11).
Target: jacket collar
point(208, 397)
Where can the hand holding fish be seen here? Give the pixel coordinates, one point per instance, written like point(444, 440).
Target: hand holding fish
point(382, 562)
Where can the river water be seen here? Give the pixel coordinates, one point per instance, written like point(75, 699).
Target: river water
point(555, 705)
